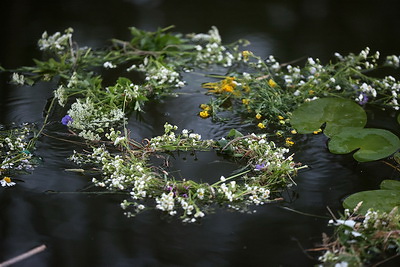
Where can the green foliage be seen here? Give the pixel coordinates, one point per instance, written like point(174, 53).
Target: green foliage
point(274, 90)
point(344, 121)
point(372, 144)
point(367, 239)
point(154, 41)
point(383, 200)
point(336, 113)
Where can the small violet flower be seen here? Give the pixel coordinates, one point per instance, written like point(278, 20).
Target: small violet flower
point(259, 167)
point(66, 120)
point(362, 98)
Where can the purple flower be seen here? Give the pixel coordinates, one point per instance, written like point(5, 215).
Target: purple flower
point(66, 120)
point(259, 167)
point(362, 98)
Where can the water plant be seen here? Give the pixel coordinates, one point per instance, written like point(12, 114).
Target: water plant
point(267, 170)
point(343, 121)
point(280, 99)
point(15, 152)
point(361, 239)
point(266, 92)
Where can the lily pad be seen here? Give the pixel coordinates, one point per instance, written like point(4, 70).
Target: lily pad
point(383, 200)
point(390, 185)
point(337, 113)
point(372, 144)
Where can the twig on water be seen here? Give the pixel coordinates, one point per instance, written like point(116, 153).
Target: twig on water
point(23, 256)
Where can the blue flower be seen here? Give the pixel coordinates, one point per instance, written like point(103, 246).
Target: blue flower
point(66, 120)
point(362, 98)
point(259, 167)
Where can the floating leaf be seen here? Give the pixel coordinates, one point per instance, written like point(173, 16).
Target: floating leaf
point(337, 113)
point(390, 185)
point(372, 144)
point(383, 200)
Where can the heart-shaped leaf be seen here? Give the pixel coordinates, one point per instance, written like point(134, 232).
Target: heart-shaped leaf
point(337, 113)
point(372, 144)
point(383, 200)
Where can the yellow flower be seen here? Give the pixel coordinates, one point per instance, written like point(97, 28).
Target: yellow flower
point(272, 83)
point(317, 131)
point(261, 125)
point(311, 92)
point(245, 101)
point(246, 54)
point(227, 88)
point(226, 85)
point(204, 114)
point(293, 131)
point(205, 107)
point(258, 116)
point(281, 118)
point(289, 141)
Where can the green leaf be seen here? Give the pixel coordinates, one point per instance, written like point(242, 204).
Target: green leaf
point(390, 185)
point(337, 113)
point(396, 157)
point(234, 133)
point(372, 144)
point(383, 200)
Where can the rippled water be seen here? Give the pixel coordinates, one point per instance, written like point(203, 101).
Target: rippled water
point(81, 229)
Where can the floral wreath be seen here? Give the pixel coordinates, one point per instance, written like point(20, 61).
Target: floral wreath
point(264, 91)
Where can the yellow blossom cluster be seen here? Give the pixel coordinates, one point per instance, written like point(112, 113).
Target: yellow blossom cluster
point(226, 85)
point(289, 141)
point(206, 109)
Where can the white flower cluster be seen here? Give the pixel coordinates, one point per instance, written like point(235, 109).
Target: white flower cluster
point(185, 141)
point(134, 91)
point(18, 79)
point(368, 89)
point(159, 75)
point(120, 173)
point(57, 42)
point(228, 190)
point(91, 119)
point(109, 65)
point(268, 154)
point(258, 195)
point(211, 51)
point(116, 138)
point(14, 154)
point(213, 36)
point(165, 76)
point(273, 63)
point(393, 61)
point(166, 203)
point(61, 92)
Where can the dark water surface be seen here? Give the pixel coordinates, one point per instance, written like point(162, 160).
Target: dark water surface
point(90, 230)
